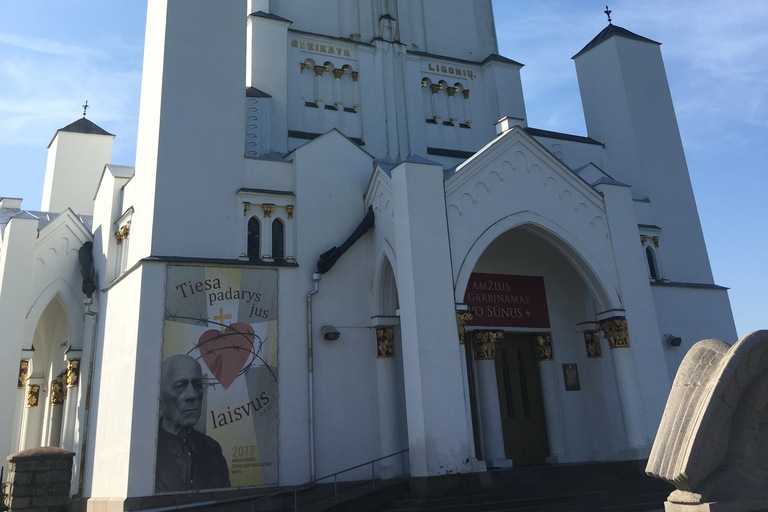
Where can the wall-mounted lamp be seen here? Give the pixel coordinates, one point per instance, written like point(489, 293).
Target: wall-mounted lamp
point(673, 341)
point(330, 333)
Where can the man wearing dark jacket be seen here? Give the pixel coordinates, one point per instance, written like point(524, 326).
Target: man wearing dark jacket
point(186, 459)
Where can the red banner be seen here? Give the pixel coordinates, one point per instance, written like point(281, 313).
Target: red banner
point(499, 300)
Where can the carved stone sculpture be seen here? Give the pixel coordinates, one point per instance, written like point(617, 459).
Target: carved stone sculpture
point(712, 443)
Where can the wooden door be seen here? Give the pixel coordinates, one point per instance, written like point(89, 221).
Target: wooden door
point(520, 400)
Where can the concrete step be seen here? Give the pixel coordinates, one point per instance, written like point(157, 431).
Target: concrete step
point(608, 487)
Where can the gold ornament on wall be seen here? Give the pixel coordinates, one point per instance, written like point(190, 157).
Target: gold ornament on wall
point(289, 211)
point(485, 344)
point(73, 372)
point(122, 233)
point(385, 342)
point(462, 318)
point(33, 394)
point(592, 342)
point(268, 209)
point(58, 393)
point(615, 331)
point(543, 347)
point(23, 372)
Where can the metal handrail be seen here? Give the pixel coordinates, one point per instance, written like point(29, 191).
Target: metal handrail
point(335, 477)
point(293, 490)
point(373, 473)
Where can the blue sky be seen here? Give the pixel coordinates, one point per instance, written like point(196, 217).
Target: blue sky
point(56, 55)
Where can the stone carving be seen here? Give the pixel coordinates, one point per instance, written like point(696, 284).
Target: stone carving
point(712, 443)
point(543, 344)
point(462, 317)
point(385, 342)
point(615, 331)
point(485, 344)
point(592, 342)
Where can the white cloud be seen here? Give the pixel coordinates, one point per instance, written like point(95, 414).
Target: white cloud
point(47, 47)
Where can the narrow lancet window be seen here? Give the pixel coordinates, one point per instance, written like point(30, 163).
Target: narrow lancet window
point(278, 240)
point(254, 229)
point(652, 272)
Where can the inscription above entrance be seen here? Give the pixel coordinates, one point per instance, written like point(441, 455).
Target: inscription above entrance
point(500, 300)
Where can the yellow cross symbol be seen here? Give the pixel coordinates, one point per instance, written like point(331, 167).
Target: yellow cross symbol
point(221, 317)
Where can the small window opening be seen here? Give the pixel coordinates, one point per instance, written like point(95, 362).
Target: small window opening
point(278, 240)
point(651, 263)
point(254, 229)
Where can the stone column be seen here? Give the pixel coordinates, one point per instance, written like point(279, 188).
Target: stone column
point(550, 389)
point(484, 346)
point(627, 384)
point(38, 480)
point(70, 404)
point(434, 392)
point(388, 424)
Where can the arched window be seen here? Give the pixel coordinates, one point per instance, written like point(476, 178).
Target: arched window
point(278, 240)
point(652, 271)
point(254, 229)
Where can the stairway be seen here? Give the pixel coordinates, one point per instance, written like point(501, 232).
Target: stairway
point(607, 487)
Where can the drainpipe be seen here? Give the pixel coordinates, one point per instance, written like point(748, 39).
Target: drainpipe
point(89, 378)
point(310, 362)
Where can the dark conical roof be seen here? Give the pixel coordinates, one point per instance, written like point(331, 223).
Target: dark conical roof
point(84, 125)
point(610, 31)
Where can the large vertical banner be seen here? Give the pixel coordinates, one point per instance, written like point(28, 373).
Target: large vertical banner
point(218, 391)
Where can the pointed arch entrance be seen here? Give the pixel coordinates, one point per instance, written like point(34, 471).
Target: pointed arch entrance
point(542, 395)
point(389, 371)
point(42, 417)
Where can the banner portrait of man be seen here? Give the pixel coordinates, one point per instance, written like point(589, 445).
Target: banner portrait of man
point(218, 414)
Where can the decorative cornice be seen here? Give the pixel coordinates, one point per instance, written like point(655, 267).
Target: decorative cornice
point(385, 342)
point(485, 344)
point(543, 343)
point(615, 331)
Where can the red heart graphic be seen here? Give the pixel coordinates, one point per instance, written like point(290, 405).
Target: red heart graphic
point(225, 353)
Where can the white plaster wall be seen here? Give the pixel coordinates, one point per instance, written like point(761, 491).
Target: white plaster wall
point(126, 382)
point(193, 101)
point(574, 154)
point(16, 252)
point(693, 314)
point(438, 438)
point(473, 20)
point(75, 163)
point(331, 175)
point(628, 106)
point(645, 359)
point(267, 69)
point(317, 17)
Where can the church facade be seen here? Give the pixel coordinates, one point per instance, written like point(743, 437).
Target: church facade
point(344, 218)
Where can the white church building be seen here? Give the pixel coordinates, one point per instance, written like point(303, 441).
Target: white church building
point(339, 210)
